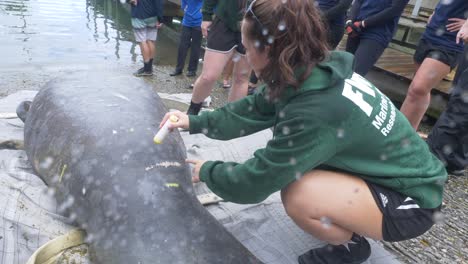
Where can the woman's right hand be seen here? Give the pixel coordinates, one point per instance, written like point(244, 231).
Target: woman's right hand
point(463, 33)
point(205, 25)
point(182, 122)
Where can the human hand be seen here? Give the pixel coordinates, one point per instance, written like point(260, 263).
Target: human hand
point(456, 24)
point(353, 29)
point(197, 164)
point(205, 25)
point(159, 25)
point(182, 122)
point(463, 33)
point(133, 2)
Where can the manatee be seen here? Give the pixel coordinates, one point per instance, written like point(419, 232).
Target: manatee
point(90, 138)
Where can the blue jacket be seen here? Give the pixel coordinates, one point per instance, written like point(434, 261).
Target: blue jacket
point(148, 8)
point(436, 31)
point(381, 18)
point(192, 13)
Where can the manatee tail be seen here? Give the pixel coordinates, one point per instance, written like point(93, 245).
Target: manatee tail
point(23, 109)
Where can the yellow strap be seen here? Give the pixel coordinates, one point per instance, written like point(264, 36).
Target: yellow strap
point(52, 250)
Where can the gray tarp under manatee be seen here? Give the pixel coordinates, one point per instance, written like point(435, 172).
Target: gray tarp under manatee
point(90, 137)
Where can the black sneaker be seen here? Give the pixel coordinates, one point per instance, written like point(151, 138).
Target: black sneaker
point(141, 72)
point(194, 108)
point(356, 251)
point(175, 73)
point(455, 171)
point(251, 90)
point(191, 74)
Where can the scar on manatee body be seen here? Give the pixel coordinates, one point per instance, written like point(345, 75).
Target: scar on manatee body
point(165, 164)
point(12, 144)
point(64, 168)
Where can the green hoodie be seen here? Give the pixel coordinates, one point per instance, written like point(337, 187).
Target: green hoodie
point(337, 119)
point(229, 11)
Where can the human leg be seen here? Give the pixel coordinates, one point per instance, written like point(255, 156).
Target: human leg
point(366, 55)
point(340, 208)
point(253, 82)
point(184, 45)
point(196, 36)
point(343, 200)
point(335, 34)
point(448, 139)
point(418, 97)
point(227, 73)
point(213, 65)
point(352, 43)
point(240, 78)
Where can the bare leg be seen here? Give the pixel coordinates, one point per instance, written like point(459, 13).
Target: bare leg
point(227, 73)
point(145, 51)
point(240, 81)
point(417, 100)
point(152, 49)
point(343, 199)
point(213, 66)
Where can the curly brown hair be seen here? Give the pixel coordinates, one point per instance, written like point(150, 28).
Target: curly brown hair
point(296, 36)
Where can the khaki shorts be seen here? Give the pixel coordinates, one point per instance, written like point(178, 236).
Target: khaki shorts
point(145, 29)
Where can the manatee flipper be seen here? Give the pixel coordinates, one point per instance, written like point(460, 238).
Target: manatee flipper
point(23, 109)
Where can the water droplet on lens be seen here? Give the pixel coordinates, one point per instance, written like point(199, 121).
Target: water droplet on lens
point(281, 26)
point(326, 222)
point(438, 218)
point(340, 133)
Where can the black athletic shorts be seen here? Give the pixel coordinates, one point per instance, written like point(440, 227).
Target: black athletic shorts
point(222, 39)
point(426, 49)
point(402, 217)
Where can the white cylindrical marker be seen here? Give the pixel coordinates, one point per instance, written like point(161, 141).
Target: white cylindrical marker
point(162, 133)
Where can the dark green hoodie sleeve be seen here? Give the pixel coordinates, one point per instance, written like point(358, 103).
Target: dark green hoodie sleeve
point(293, 151)
point(241, 118)
point(208, 9)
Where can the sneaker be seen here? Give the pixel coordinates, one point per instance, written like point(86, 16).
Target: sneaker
point(141, 72)
point(191, 74)
point(455, 172)
point(194, 108)
point(356, 251)
point(251, 90)
point(175, 73)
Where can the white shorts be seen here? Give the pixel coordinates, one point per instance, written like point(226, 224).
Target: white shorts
point(147, 33)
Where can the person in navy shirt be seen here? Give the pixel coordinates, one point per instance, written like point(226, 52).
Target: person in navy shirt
point(370, 28)
point(191, 37)
point(146, 19)
point(448, 139)
point(437, 53)
point(334, 12)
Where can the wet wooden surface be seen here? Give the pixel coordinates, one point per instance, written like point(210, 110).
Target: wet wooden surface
point(400, 65)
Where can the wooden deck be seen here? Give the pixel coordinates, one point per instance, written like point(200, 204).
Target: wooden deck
point(400, 65)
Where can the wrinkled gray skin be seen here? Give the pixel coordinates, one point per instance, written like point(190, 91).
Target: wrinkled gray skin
point(90, 139)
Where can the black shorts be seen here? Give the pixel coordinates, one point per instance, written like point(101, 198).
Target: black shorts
point(426, 49)
point(402, 217)
point(222, 39)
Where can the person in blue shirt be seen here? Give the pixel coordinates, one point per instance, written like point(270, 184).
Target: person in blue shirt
point(448, 139)
point(191, 37)
point(437, 53)
point(334, 13)
point(146, 20)
point(370, 28)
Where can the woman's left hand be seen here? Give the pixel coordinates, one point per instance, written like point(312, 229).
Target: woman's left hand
point(456, 24)
point(197, 164)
